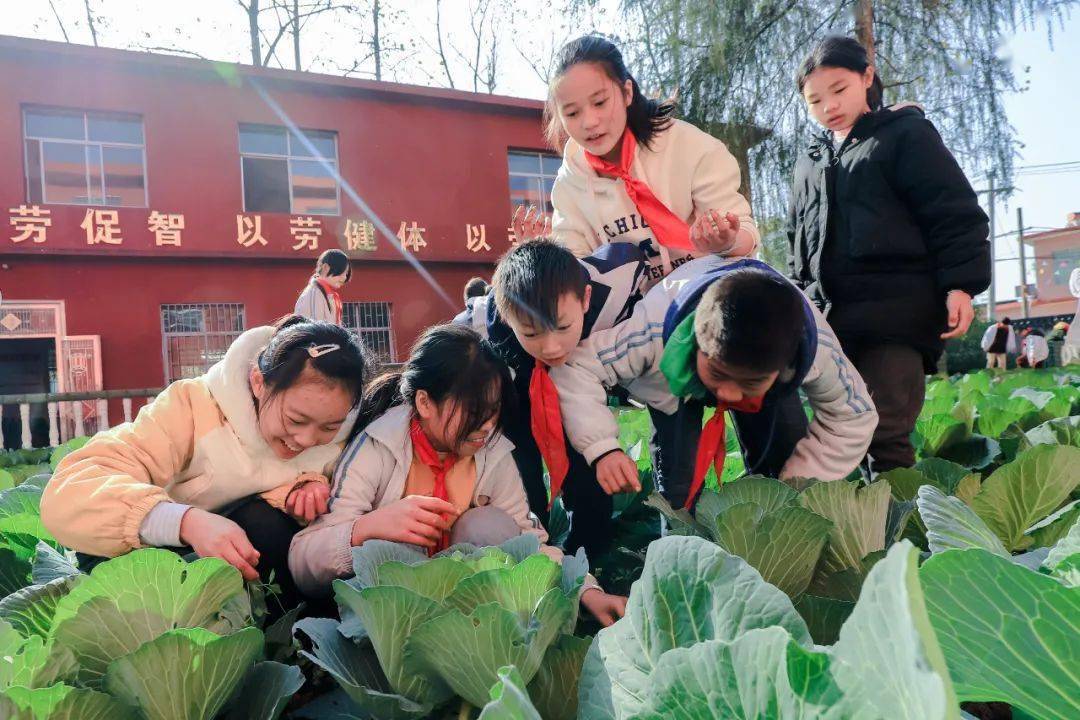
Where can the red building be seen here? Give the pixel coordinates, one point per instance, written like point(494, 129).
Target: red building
point(157, 206)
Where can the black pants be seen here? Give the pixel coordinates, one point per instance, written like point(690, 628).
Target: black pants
point(588, 506)
point(767, 439)
point(270, 532)
point(895, 376)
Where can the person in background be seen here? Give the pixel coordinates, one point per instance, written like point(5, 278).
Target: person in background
point(476, 287)
point(321, 300)
point(228, 464)
point(1033, 350)
point(1070, 351)
point(999, 341)
point(428, 466)
point(885, 235)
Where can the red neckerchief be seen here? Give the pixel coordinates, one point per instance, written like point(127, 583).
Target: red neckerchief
point(668, 228)
point(333, 296)
point(547, 428)
point(712, 447)
point(426, 453)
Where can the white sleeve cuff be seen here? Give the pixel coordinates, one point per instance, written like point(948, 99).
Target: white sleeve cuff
point(600, 447)
point(161, 526)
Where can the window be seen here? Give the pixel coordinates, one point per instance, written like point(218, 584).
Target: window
point(1064, 262)
point(196, 336)
point(289, 173)
point(532, 175)
point(84, 158)
point(371, 323)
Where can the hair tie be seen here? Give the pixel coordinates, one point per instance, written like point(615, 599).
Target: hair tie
point(319, 350)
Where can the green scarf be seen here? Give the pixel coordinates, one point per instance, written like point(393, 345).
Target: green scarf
point(679, 361)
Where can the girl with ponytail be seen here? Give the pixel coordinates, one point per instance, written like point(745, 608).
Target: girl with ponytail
point(633, 173)
point(428, 466)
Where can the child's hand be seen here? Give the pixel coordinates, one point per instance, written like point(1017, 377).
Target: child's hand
point(416, 520)
point(212, 535)
point(604, 607)
point(617, 473)
point(714, 232)
point(308, 501)
point(958, 303)
point(530, 223)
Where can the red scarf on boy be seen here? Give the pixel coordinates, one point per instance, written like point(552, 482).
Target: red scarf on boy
point(427, 454)
point(334, 296)
point(712, 447)
point(545, 420)
point(669, 229)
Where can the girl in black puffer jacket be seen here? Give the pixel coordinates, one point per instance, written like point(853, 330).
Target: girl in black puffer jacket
point(885, 235)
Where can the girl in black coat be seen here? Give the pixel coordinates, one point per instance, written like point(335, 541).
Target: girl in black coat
point(885, 234)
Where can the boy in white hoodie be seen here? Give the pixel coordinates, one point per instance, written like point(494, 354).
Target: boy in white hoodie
point(734, 333)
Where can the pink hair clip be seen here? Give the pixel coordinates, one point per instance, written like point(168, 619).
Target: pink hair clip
point(319, 350)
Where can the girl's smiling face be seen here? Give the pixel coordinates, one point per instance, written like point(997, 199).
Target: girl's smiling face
point(308, 414)
point(836, 97)
point(592, 108)
point(442, 423)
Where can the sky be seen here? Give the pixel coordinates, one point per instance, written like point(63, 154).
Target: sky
point(1046, 116)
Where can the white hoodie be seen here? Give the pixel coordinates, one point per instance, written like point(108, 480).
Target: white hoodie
point(371, 474)
point(688, 170)
point(629, 355)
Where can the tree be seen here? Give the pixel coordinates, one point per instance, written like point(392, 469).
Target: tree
point(733, 63)
point(288, 17)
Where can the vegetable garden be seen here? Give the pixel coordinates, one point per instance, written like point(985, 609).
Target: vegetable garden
point(947, 590)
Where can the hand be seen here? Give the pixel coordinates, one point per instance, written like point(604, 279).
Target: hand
point(602, 606)
point(617, 473)
point(530, 224)
point(958, 303)
point(714, 232)
point(416, 520)
point(212, 535)
point(308, 501)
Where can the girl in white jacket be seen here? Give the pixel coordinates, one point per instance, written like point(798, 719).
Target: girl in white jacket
point(430, 455)
point(320, 300)
point(632, 173)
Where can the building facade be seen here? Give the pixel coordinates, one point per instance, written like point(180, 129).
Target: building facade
point(1056, 253)
point(158, 206)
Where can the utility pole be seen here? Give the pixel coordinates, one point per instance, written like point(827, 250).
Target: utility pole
point(1023, 259)
point(992, 193)
point(991, 305)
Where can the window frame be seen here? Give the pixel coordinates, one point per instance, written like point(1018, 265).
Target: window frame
point(539, 155)
point(357, 330)
point(241, 312)
point(85, 143)
point(288, 158)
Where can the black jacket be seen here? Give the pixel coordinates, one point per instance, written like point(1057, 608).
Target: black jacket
point(882, 227)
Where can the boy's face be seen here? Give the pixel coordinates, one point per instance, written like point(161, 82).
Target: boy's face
point(731, 384)
point(553, 346)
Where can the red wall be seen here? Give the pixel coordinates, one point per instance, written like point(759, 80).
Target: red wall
point(435, 157)
point(120, 301)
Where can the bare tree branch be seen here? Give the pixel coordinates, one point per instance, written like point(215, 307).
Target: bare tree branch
point(90, 22)
point(438, 34)
point(59, 22)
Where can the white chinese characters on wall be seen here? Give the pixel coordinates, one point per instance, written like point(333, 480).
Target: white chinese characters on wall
point(31, 225)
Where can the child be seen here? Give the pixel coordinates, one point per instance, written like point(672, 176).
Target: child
point(321, 299)
point(217, 461)
point(886, 237)
point(544, 301)
point(429, 455)
point(998, 342)
point(632, 173)
point(738, 334)
point(1034, 350)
